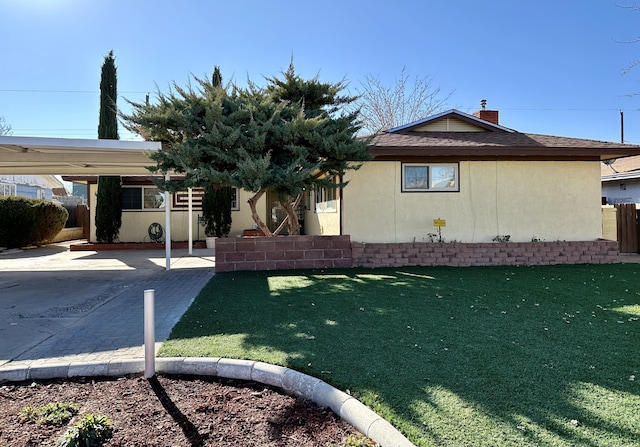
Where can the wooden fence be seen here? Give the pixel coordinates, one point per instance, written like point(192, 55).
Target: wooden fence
point(628, 227)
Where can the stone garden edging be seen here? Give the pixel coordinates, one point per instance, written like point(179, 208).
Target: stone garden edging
point(351, 410)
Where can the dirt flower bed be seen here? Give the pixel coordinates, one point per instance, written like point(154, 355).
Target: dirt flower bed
point(174, 411)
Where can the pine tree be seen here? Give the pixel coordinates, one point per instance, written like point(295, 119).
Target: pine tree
point(109, 202)
point(256, 139)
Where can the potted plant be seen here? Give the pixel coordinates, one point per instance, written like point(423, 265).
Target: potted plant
point(216, 212)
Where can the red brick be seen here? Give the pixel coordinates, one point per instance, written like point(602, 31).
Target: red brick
point(284, 265)
point(323, 263)
point(275, 255)
point(333, 253)
point(343, 263)
point(242, 245)
point(265, 265)
point(284, 243)
point(265, 244)
point(303, 244)
point(234, 257)
point(304, 264)
point(294, 254)
point(313, 254)
point(341, 243)
point(255, 256)
point(245, 266)
point(224, 267)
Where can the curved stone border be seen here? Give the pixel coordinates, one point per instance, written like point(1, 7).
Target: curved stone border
point(290, 381)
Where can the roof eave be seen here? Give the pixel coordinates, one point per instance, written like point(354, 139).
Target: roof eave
point(490, 152)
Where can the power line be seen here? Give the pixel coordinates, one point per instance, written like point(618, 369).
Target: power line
point(58, 91)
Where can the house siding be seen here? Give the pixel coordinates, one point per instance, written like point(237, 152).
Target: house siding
point(621, 191)
point(545, 200)
point(135, 223)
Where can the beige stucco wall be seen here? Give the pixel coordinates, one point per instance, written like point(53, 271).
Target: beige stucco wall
point(324, 224)
point(544, 200)
point(609, 223)
point(135, 224)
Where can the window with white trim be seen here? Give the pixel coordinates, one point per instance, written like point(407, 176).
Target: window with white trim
point(142, 198)
point(7, 190)
point(325, 200)
point(432, 177)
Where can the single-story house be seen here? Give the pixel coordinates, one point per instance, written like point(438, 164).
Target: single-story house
point(486, 181)
point(452, 177)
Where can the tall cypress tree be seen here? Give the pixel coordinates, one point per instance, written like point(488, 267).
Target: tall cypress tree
point(109, 202)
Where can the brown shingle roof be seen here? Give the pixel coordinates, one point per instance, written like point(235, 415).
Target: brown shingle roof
point(494, 144)
point(626, 164)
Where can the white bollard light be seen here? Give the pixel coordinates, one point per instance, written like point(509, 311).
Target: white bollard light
point(149, 334)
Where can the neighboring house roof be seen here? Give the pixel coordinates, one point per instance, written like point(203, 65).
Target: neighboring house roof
point(460, 135)
point(42, 181)
point(621, 169)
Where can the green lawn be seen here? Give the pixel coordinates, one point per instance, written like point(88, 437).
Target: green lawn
point(453, 357)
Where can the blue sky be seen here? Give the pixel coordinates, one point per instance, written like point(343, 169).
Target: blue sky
point(550, 67)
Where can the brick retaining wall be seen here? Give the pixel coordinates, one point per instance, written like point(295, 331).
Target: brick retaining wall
point(489, 253)
point(282, 253)
point(302, 252)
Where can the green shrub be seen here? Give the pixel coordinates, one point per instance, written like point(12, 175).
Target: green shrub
point(108, 209)
point(25, 221)
point(357, 441)
point(56, 414)
point(90, 431)
point(216, 210)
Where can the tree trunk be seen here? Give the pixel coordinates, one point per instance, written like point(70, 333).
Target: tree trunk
point(292, 216)
point(254, 213)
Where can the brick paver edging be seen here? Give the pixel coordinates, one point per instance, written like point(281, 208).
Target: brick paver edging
point(351, 410)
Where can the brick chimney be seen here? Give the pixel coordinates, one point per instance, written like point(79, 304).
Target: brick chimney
point(487, 115)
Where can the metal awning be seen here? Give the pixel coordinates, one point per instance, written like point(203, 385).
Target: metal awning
point(66, 156)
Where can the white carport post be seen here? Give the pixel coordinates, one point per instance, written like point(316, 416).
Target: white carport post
point(167, 226)
point(190, 220)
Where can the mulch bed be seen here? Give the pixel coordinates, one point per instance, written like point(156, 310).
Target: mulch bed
point(174, 411)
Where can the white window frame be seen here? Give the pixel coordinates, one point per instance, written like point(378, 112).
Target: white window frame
point(7, 190)
point(326, 200)
point(142, 195)
point(430, 185)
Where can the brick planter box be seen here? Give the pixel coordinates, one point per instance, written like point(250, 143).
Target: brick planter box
point(304, 252)
point(282, 253)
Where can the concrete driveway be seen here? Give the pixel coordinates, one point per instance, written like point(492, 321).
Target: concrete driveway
point(88, 305)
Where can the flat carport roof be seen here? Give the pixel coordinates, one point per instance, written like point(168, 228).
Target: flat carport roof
point(66, 156)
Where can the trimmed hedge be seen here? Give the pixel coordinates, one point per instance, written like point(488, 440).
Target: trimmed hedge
point(25, 222)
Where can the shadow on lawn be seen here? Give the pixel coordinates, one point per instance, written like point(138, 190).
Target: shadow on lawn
point(539, 356)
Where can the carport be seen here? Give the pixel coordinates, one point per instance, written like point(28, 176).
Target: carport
point(65, 156)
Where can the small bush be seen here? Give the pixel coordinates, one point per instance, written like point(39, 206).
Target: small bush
point(25, 221)
point(502, 238)
point(357, 441)
point(56, 414)
point(90, 431)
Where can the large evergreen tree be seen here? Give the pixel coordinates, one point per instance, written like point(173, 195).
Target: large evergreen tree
point(256, 139)
point(109, 202)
